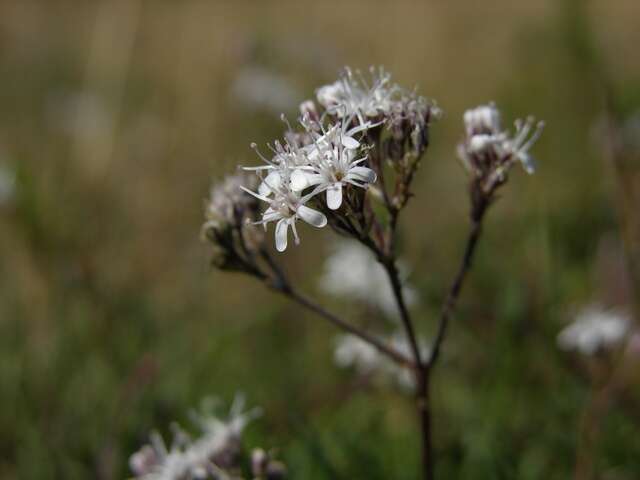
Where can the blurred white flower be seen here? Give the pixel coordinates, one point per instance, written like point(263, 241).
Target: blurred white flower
point(258, 88)
point(352, 352)
point(595, 329)
point(352, 271)
point(215, 450)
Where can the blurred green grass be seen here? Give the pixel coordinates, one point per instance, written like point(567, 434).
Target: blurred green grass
point(116, 116)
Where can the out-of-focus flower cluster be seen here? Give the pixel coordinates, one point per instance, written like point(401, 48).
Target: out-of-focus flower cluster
point(352, 272)
point(352, 352)
point(595, 330)
point(216, 454)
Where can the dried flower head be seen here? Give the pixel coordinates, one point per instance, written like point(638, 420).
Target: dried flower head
point(229, 214)
point(352, 271)
point(352, 352)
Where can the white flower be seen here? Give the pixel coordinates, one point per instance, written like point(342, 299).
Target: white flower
point(487, 147)
point(352, 352)
point(200, 458)
point(334, 163)
point(594, 329)
point(484, 119)
point(285, 208)
point(352, 271)
point(351, 95)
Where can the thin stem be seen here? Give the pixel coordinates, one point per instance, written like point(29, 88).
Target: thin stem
point(382, 347)
point(454, 291)
point(396, 286)
point(283, 286)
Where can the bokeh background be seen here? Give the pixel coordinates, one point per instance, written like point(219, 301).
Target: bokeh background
point(115, 117)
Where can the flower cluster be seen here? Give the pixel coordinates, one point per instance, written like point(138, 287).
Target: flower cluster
point(351, 271)
point(488, 152)
point(594, 330)
point(334, 151)
point(229, 213)
point(352, 352)
point(214, 455)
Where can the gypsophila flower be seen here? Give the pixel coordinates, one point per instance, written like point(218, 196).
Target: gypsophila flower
point(595, 329)
point(488, 151)
point(286, 207)
point(352, 352)
point(327, 162)
point(205, 457)
point(351, 94)
point(333, 162)
point(330, 154)
point(352, 271)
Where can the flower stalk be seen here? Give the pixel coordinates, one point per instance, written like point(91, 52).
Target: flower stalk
point(351, 166)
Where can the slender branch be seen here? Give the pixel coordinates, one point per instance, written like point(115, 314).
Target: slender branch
point(283, 286)
point(386, 256)
point(396, 286)
point(382, 347)
point(454, 291)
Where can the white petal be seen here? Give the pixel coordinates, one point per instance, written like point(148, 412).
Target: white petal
point(363, 174)
point(301, 179)
point(282, 229)
point(334, 196)
point(311, 216)
point(528, 163)
point(350, 142)
point(271, 182)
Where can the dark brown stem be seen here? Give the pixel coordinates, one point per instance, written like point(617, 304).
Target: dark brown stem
point(421, 371)
point(396, 285)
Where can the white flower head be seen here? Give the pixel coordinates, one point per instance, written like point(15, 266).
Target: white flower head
point(203, 457)
point(352, 271)
point(595, 329)
point(352, 352)
point(487, 148)
point(335, 160)
point(286, 207)
point(352, 94)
